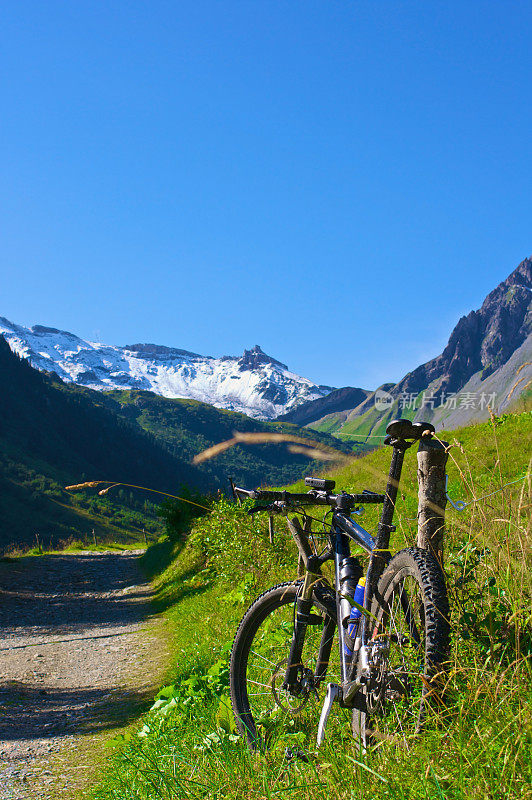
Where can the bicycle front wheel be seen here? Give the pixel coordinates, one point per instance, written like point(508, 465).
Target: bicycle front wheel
point(259, 659)
point(411, 622)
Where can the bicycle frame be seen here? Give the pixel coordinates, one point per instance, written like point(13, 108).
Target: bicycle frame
point(343, 531)
point(379, 557)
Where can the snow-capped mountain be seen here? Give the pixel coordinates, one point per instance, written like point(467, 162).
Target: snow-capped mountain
point(254, 384)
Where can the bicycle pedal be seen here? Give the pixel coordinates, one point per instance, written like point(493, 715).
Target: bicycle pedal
point(334, 692)
point(295, 755)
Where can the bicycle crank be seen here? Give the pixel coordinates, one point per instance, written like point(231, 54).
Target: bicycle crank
point(334, 694)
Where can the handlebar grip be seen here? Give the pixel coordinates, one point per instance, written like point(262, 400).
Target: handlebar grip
point(264, 494)
point(269, 496)
point(242, 493)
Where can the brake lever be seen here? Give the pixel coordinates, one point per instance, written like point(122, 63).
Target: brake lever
point(259, 508)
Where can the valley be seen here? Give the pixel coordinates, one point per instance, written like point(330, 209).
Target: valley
point(200, 571)
point(72, 411)
point(55, 434)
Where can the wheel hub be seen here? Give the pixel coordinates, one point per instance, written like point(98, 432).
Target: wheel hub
point(294, 699)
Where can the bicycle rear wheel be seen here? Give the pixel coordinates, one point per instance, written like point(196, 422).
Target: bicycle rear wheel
point(258, 664)
point(411, 620)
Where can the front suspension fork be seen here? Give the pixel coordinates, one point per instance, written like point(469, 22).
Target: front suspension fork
point(303, 606)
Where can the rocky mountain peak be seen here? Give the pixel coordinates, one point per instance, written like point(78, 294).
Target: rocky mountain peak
point(238, 384)
point(256, 357)
point(522, 275)
point(505, 318)
point(487, 360)
point(484, 339)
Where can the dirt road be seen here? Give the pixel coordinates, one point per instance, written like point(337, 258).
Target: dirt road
point(80, 653)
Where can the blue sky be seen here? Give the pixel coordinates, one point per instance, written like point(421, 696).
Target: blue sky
point(336, 181)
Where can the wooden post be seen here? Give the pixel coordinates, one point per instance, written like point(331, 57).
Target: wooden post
point(271, 529)
point(431, 460)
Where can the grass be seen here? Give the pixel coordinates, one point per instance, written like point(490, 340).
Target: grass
point(70, 545)
point(479, 745)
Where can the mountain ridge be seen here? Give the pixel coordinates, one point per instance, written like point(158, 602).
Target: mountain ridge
point(336, 401)
point(485, 349)
point(254, 384)
point(483, 339)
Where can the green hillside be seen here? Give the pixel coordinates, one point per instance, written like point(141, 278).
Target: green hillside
point(478, 749)
point(186, 427)
point(51, 437)
point(351, 427)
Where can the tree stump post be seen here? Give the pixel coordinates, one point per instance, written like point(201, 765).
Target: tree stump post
point(431, 459)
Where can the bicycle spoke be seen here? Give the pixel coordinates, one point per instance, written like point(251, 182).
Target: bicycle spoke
point(258, 684)
point(261, 656)
point(403, 626)
point(269, 704)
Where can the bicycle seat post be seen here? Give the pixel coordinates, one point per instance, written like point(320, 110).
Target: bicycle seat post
point(400, 446)
point(396, 438)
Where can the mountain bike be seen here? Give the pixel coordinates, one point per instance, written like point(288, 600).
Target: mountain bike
point(391, 626)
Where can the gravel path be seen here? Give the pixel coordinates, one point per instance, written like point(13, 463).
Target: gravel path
point(78, 657)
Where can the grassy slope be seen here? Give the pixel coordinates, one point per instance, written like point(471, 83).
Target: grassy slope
point(186, 427)
point(480, 749)
point(355, 427)
point(50, 437)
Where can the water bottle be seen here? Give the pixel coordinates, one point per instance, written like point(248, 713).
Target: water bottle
point(355, 615)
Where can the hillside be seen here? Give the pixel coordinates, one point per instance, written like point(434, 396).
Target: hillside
point(335, 402)
point(51, 437)
point(480, 740)
point(488, 360)
point(186, 427)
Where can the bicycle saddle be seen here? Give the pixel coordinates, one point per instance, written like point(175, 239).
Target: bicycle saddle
point(406, 429)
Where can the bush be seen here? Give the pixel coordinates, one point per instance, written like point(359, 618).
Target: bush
point(180, 514)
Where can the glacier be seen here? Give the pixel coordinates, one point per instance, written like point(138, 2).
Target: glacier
point(254, 384)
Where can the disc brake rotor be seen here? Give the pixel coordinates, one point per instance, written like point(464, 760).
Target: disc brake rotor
point(286, 701)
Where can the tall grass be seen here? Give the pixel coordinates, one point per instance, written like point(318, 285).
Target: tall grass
point(479, 745)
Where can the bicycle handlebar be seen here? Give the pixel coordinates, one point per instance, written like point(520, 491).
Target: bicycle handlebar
point(311, 498)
